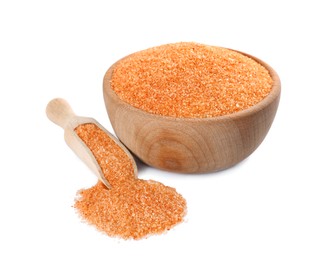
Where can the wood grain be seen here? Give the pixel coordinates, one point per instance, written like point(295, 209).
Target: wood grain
point(192, 145)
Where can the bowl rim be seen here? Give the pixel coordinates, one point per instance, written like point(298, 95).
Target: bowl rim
point(270, 98)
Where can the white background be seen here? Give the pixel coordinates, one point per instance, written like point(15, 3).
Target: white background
point(270, 206)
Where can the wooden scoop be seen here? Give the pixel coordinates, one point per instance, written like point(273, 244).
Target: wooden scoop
point(59, 112)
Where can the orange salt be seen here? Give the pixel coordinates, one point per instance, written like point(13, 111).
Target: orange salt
point(132, 208)
point(114, 162)
point(190, 80)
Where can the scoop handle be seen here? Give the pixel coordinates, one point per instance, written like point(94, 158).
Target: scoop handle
point(60, 112)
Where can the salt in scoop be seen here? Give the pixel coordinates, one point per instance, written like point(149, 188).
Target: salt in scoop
point(60, 112)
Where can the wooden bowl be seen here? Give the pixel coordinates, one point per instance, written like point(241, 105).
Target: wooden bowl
point(192, 145)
